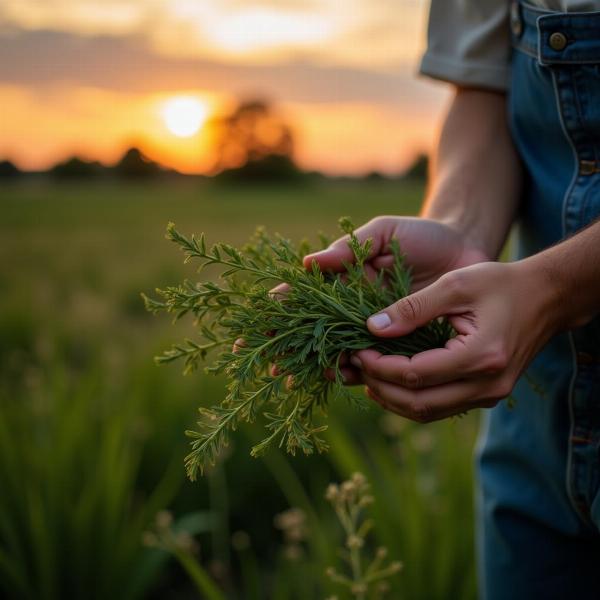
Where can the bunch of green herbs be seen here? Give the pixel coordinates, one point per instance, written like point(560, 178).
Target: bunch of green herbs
point(320, 318)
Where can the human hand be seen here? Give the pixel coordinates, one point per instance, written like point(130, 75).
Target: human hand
point(503, 314)
point(431, 248)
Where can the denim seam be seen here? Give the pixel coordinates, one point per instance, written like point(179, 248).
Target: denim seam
point(569, 487)
point(585, 431)
point(582, 102)
point(575, 61)
point(525, 48)
point(585, 200)
point(585, 140)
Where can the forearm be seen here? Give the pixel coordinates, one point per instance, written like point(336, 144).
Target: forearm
point(569, 273)
point(475, 180)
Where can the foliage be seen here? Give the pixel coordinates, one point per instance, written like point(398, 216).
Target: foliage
point(253, 143)
point(306, 331)
point(77, 168)
point(418, 169)
point(134, 163)
point(349, 499)
point(177, 540)
point(8, 169)
point(71, 509)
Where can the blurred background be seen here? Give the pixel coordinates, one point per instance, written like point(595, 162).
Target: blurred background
point(118, 116)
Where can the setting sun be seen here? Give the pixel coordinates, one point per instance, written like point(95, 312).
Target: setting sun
point(184, 116)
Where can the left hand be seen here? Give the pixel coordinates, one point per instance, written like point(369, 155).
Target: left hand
point(503, 314)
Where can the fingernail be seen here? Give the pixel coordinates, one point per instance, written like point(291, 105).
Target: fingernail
point(356, 361)
point(379, 321)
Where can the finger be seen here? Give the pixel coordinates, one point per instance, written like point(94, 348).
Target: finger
point(238, 345)
point(434, 403)
point(443, 297)
point(279, 292)
point(350, 376)
point(338, 253)
point(457, 360)
point(332, 258)
point(344, 360)
point(371, 394)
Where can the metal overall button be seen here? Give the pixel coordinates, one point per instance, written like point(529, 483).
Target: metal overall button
point(558, 41)
point(588, 167)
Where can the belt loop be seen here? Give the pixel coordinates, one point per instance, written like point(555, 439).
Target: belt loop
point(516, 22)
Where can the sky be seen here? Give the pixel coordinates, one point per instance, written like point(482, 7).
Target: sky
point(93, 77)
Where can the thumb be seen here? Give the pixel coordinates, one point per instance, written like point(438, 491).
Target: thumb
point(415, 310)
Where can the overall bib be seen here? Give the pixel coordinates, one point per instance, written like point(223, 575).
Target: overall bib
point(538, 463)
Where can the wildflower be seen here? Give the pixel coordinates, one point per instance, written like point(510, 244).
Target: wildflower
point(292, 524)
point(164, 519)
point(366, 577)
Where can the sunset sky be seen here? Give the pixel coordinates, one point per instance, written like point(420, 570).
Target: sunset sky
point(92, 77)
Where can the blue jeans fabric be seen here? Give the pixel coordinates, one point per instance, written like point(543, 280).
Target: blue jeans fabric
point(538, 463)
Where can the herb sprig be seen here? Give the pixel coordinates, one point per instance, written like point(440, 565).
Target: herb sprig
point(321, 316)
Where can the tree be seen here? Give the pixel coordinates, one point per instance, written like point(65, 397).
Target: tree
point(76, 168)
point(8, 169)
point(135, 164)
point(253, 143)
point(419, 168)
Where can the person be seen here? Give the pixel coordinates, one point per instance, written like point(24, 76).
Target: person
point(520, 145)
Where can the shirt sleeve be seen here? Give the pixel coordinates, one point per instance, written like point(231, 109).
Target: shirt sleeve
point(468, 43)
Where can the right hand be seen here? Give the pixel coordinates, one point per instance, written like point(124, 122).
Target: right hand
point(432, 248)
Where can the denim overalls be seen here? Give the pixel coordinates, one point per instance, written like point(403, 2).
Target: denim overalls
point(539, 462)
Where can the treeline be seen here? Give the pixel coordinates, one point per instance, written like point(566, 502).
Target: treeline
point(132, 164)
point(251, 143)
point(135, 165)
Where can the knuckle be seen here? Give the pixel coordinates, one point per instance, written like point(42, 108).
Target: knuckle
point(408, 308)
point(497, 390)
point(422, 412)
point(455, 283)
point(382, 222)
point(503, 388)
point(367, 368)
point(494, 360)
point(410, 380)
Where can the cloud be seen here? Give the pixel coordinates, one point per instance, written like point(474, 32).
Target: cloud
point(247, 30)
point(279, 4)
point(41, 58)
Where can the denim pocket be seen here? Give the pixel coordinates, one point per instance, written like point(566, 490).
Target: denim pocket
point(569, 38)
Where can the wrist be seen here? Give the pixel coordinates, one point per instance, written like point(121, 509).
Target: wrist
point(472, 250)
point(477, 246)
point(545, 286)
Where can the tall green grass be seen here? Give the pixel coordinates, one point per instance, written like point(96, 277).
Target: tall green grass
point(91, 432)
point(72, 512)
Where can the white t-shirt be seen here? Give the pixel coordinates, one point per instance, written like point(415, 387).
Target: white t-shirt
point(468, 41)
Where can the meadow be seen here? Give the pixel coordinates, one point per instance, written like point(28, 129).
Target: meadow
point(92, 432)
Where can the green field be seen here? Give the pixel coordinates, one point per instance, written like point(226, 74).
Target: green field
point(91, 432)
